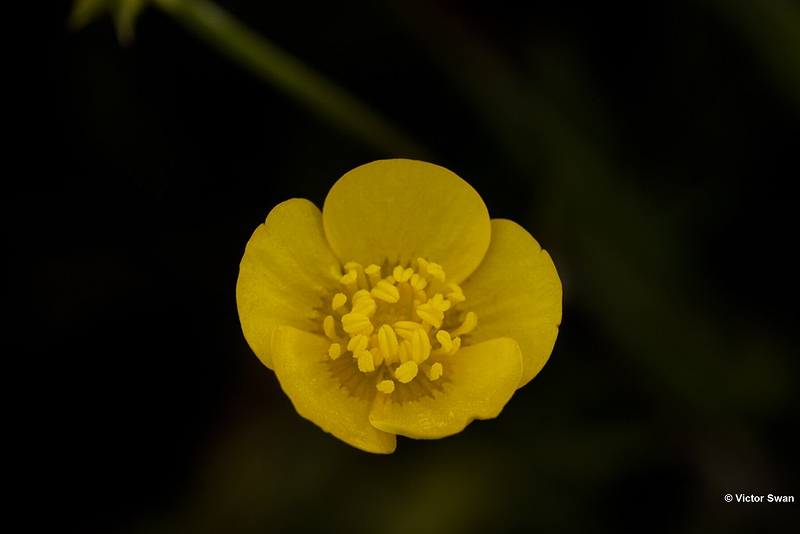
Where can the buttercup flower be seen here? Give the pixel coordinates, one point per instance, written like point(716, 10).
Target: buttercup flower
point(401, 308)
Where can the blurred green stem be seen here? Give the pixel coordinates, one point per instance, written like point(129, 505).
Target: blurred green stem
point(251, 50)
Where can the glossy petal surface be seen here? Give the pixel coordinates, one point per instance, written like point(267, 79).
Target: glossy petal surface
point(516, 293)
point(286, 269)
point(361, 309)
point(402, 209)
point(301, 365)
point(480, 381)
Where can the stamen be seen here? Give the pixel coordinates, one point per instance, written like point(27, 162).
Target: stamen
point(407, 308)
point(365, 362)
point(469, 324)
point(436, 371)
point(377, 356)
point(329, 327)
point(339, 300)
point(443, 337)
point(406, 372)
point(363, 303)
point(360, 294)
point(387, 341)
point(405, 329)
point(355, 323)
point(439, 303)
point(422, 266)
point(435, 270)
point(402, 275)
point(385, 386)
point(433, 372)
point(374, 273)
point(350, 280)
point(420, 346)
point(404, 351)
point(358, 344)
point(455, 295)
point(385, 292)
point(362, 281)
point(420, 297)
point(406, 295)
point(417, 282)
point(433, 310)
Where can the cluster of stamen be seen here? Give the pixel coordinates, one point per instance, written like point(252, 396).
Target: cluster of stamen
point(393, 327)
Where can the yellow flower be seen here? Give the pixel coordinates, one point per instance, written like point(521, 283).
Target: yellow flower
point(400, 308)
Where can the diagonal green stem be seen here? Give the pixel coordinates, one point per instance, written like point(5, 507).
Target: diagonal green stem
point(279, 68)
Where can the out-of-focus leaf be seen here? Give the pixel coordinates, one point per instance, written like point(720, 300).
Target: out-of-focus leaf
point(772, 29)
point(275, 66)
point(123, 12)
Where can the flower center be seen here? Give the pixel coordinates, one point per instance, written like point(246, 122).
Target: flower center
point(385, 330)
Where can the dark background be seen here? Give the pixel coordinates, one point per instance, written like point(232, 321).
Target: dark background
point(651, 149)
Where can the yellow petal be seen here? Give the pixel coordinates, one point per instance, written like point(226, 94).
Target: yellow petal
point(477, 382)
point(516, 293)
point(401, 210)
point(302, 367)
point(286, 269)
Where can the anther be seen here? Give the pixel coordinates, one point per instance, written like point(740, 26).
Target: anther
point(364, 305)
point(433, 310)
point(469, 324)
point(377, 356)
point(443, 337)
point(385, 386)
point(439, 303)
point(350, 280)
point(360, 294)
point(402, 275)
point(374, 273)
point(329, 327)
point(365, 362)
point(420, 346)
point(385, 292)
point(405, 329)
point(406, 372)
point(435, 270)
point(360, 279)
point(387, 341)
point(454, 293)
point(417, 282)
point(339, 300)
point(433, 372)
point(355, 323)
point(404, 351)
point(358, 344)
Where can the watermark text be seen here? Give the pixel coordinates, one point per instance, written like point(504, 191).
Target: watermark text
point(769, 498)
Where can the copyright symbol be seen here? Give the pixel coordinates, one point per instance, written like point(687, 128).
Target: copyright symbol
point(728, 497)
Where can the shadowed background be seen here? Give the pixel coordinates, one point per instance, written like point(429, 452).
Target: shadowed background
point(650, 149)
